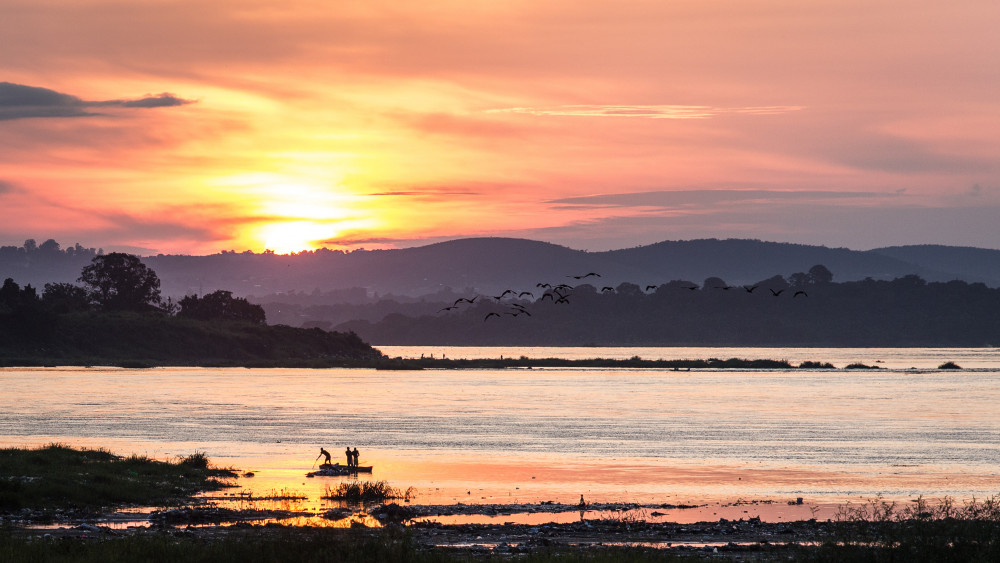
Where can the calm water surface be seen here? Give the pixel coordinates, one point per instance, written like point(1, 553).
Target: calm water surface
point(513, 436)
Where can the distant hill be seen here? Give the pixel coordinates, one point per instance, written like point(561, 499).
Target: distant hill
point(963, 262)
point(490, 265)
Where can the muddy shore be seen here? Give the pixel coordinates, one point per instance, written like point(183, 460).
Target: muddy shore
point(208, 523)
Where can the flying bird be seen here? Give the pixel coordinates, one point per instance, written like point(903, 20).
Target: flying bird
point(692, 288)
point(750, 289)
point(504, 294)
point(776, 293)
point(488, 315)
point(543, 285)
point(463, 299)
point(607, 288)
point(585, 276)
point(447, 308)
point(800, 292)
point(546, 294)
point(650, 287)
point(523, 293)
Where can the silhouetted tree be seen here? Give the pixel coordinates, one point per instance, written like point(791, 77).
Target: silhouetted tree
point(65, 297)
point(10, 294)
point(799, 280)
point(221, 305)
point(628, 289)
point(820, 275)
point(713, 283)
point(50, 247)
point(121, 282)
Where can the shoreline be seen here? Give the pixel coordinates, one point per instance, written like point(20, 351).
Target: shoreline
point(417, 364)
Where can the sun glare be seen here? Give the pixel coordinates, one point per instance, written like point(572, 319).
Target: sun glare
point(294, 236)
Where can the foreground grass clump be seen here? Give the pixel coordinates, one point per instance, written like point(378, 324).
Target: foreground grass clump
point(60, 477)
point(919, 531)
point(366, 491)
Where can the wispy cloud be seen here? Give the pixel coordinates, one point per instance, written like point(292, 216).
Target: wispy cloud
point(700, 198)
point(646, 111)
point(18, 101)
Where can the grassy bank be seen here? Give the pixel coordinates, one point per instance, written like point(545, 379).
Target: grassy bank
point(56, 477)
point(146, 340)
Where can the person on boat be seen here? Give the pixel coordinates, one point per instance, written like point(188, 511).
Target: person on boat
point(323, 452)
point(350, 457)
point(355, 455)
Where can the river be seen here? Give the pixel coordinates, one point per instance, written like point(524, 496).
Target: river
point(532, 435)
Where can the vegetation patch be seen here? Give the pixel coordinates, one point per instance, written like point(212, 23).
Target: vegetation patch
point(949, 365)
point(366, 491)
point(60, 477)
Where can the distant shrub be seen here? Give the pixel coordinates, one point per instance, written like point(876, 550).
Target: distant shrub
point(949, 365)
point(858, 365)
point(197, 460)
point(362, 491)
point(816, 365)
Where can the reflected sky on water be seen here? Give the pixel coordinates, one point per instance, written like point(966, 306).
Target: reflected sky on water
point(520, 435)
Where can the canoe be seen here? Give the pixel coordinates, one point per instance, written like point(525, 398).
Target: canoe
point(336, 470)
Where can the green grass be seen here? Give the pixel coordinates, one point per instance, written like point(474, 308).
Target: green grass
point(59, 477)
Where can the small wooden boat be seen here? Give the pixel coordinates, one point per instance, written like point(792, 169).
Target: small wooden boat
point(336, 470)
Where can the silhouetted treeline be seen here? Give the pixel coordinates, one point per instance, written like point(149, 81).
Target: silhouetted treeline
point(491, 264)
point(116, 315)
point(804, 309)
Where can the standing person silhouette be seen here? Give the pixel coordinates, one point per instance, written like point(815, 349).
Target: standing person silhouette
point(350, 457)
point(323, 452)
point(355, 455)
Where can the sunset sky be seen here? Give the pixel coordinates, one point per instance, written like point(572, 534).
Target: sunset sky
point(194, 126)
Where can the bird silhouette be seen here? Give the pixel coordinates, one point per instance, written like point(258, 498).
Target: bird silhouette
point(800, 292)
point(488, 315)
point(448, 308)
point(563, 286)
point(546, 294)
point(650, 287)
point(607, 288)
point(523, 293)
point(724, 287)
point(543, 285)
point(776, 293)
point(750, 289)
point(692, 288)
point(585, 276)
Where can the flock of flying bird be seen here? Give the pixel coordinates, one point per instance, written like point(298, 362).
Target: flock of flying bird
point(557, 295)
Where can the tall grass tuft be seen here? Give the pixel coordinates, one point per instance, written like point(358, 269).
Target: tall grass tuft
point(363, 491)
point(919, 531)
point(198, 460)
